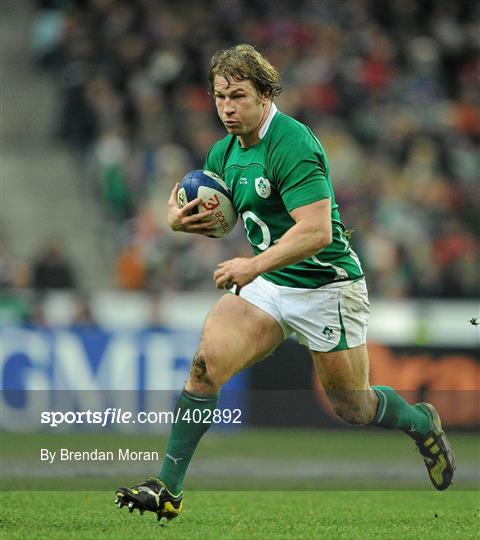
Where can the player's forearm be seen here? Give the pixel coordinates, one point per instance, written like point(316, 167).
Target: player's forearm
point(297, 244)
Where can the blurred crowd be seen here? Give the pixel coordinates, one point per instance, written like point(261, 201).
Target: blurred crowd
point(389, 87)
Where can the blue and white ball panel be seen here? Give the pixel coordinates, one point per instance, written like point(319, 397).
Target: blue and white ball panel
point(215, 196)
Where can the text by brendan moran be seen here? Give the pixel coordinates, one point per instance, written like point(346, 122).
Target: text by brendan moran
point(122, 454)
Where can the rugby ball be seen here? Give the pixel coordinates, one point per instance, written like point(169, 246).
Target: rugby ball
point(215, 196)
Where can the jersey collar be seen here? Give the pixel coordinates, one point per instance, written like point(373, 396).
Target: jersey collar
point(268, 121)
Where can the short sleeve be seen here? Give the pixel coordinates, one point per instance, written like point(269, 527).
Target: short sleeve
point(301, 170)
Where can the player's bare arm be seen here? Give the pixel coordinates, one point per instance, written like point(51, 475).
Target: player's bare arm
point(311, 233)
point(182, 219)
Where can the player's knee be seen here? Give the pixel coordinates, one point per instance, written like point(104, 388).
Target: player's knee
point(201, 369)
point(205, 374)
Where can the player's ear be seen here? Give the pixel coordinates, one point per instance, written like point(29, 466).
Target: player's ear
point(263, 97)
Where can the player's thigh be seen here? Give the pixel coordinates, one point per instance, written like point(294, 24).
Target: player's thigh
point(235, 335)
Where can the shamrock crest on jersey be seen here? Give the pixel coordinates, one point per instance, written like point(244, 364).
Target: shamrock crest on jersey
point(263, 187)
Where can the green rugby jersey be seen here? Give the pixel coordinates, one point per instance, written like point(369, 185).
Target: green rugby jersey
point(286, 169)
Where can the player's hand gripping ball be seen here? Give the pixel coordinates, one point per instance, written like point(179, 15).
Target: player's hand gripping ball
point(215, 196)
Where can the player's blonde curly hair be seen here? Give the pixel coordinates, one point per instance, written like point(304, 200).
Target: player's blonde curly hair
point(243, 62)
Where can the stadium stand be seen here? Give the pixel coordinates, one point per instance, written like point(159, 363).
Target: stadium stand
point(391, 91)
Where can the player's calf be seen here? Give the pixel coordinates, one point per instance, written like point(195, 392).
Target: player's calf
point(355, 407)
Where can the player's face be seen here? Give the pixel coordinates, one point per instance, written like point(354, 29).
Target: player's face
point(240, 108)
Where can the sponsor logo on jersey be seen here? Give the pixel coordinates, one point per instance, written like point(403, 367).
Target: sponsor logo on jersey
point(263, 187)
point(212, 203)
point(243, 181)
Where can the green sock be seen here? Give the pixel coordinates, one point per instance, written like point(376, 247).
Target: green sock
point(185, 436)
point(393, 412)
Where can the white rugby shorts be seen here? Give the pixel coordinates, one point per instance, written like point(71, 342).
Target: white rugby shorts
point(331, 318)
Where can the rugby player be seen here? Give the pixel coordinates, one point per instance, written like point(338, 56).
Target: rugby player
point(303, 279)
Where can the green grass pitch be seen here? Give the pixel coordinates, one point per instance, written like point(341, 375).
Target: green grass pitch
point(243, 498)
point(235, 515)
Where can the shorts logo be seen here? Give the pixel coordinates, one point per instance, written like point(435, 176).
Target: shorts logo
point(328, 333)
point(263, 187)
